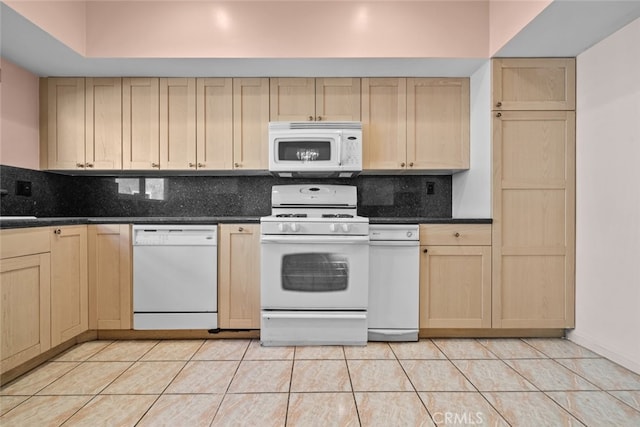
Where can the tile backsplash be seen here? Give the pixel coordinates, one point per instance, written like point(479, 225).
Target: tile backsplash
point(57, 195)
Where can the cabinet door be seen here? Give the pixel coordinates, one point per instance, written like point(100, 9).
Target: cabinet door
point(438, 123)
point(455, 287)
point(250, 123)
point(109, 247)
point(214, 123)
point(177, 123)
point(337, 99)
point(103, 140)
point(140, 123)
point(534, 84)
point(292, 99)
point(69, 286)
point(384, 115)
point(63, 122)
point(239, 276)
point(24, 304)
point(533, 219)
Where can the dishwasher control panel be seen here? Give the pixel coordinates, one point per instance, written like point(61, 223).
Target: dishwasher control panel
point(175, 235)
point(394, 232)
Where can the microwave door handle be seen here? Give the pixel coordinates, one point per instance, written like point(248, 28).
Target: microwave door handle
point(339, 148)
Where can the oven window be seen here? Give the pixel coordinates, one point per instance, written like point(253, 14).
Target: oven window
point(315, 272)
point(304, 150)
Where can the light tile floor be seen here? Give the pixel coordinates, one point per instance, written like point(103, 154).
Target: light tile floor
point(496, 382)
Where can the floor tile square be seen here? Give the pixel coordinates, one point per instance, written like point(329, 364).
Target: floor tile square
point(461, 408)
point(262, 376)
point(37, 379)
point(173, 350)
point(435, 375)
point(82, 352)
point(465, 348)
point(320, 375)
point(320, 352)
point(383, 409)
point(373, 350)
point(530, 409)
point(193, 410)
point(559, 348)
point(322, 409)
point(506, 348)
point(549, 375)
point(256, 409)
point(87, 378)
point(492, 375)
point(145, 378)
point(115, 410)
point(123, 351)
point(257, 352)
point(378, 375)
point(423, 349)
point(222, 350)
point(43, 411)
point(631, 398)
point(603, 373)
point(7, 403)
point(203, 377)
point(597, 408)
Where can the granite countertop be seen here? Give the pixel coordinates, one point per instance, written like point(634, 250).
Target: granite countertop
point(44, 222)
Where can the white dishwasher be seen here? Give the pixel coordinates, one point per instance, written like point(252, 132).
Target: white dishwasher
point(394, 262)
point(175, 277)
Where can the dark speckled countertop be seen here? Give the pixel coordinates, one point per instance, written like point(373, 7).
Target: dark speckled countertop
point(44, 222)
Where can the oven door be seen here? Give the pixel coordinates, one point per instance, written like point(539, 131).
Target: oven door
point(314, 272)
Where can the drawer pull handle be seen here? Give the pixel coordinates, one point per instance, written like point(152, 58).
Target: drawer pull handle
point(457, 234)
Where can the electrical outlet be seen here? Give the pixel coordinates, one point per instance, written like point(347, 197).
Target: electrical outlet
point(23, 188)
point(431, 187)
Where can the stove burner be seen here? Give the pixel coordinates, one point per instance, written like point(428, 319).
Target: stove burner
point(287, 215)
point(337, 216)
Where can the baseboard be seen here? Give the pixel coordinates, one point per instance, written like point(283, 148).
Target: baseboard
point(591, 344)
point(490, 333)
point(170, 334)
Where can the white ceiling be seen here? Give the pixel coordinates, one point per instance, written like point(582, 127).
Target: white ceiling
point(565, 28)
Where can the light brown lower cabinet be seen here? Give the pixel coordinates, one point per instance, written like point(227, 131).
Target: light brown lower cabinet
point(239, 276)
point(69, 284)
point(455, 276)
point(110, 284)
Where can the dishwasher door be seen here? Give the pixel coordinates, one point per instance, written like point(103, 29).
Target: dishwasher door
point(393, 284)
point(175, 271)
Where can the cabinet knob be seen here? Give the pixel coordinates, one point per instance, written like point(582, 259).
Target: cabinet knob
point(457, 234)
point(319, 118)
point(155, 165)
point(498, 104)
point(240, 229)
point(79, 165)
point(192, 165)
point(498, 114)
point(402, 164)
point(425, 250)
point(57, 231)
point(201, 165)
point(310, 118)
point(88, 165)
point(411, 164)
point(237, 165)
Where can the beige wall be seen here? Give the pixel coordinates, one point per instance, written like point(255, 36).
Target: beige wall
point(19, 129)
point(508, 17)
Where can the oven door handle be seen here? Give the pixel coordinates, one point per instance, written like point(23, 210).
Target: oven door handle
point(305, 239)
point(312, 315)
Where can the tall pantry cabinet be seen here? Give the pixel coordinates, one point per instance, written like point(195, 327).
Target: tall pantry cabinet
point(533, 193)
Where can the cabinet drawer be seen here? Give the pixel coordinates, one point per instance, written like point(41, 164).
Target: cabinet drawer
point(24, 241)
point(455, 234)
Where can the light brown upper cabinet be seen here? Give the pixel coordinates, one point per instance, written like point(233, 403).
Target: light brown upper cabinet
point(81, 123)
point(534, 84)
point(141, 123)
point(250, 123)
point(214, 123)
point(69, 283)
point(415, 123)
point(177, 123)
point(315, 99)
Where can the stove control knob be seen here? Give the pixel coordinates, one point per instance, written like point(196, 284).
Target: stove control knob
point(345, 228)
point(282, 227)
point(333, 227)
point(295, 227)
point(409, 234)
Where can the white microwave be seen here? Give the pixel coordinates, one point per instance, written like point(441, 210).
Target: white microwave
point(315, 149)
